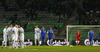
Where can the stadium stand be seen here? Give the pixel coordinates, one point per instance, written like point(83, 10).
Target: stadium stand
point(48, 13)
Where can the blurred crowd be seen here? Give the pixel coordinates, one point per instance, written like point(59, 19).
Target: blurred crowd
point(89, 12)
point(56, 6)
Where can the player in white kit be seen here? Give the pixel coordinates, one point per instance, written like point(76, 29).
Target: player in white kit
point(37, 34)
point(21, 36)
point(4, 42)
point(15, 36)
point(9, 33)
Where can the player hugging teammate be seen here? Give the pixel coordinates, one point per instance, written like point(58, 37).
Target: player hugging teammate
point(13, 32)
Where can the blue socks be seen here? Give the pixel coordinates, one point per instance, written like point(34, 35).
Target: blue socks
point(44, 43)
point(91, 43)
point(50, 43)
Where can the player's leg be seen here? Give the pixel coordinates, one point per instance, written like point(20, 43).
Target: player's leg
point(13, 41)
point(79, 41)
point(41, 40)
point(44, 40)
point(51, 39)
point(35, 39)
point(90, 41)
point(10, 41)
point(16, 41)
point(2, 44)
point(22, 41)
point(5, 41)
point(38, 38)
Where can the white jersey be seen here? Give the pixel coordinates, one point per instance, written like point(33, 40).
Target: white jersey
point(15, 31)
point(15, 34)
point(37, 30)
point(21, 29)
point(9, 29)
point(37, 33)
point(4, 34)
point(21, 34)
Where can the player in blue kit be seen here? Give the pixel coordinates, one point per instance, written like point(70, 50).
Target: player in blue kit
point(90, 36)
point(43, 36)
point(50, 35)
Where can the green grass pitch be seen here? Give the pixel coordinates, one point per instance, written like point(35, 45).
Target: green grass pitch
point(54, 49)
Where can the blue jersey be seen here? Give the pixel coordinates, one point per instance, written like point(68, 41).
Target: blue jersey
point(50, 34)
point(95, 36)
point(43, 32)
point(90, 34)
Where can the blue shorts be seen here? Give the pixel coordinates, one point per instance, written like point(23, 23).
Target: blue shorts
point(90, 39)
point(43, 37)
point(50, 37)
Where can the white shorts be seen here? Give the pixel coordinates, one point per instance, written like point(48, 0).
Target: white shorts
point(37, 36)
point(16, 37)
point(5, 38)
point(10, 38)
point(13, 36)
point(22, 37)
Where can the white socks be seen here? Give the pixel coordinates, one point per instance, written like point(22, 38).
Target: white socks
point(4, 43)
point(16, 44)
point(22, 44)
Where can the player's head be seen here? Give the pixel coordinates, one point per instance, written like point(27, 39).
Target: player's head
point(78, 31)
point(42, 27)
point(10, 25)
point(50, 28)
point(90, 29)
point(19, 26)
point(36, 26)
point(5, 26)
point(16, 26)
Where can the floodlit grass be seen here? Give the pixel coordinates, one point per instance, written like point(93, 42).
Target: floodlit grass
point(54, 49)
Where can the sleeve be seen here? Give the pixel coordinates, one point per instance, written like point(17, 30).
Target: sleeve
point(23, 30)
point(7, 30)
point(20, 29)
point(4, 31)
point(40, 30)
point(35, 30)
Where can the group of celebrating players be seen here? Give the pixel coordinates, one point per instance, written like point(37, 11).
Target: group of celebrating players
point(15, 35)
